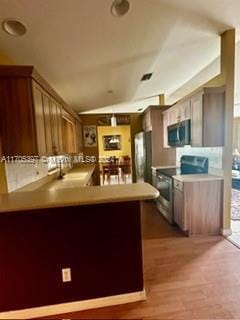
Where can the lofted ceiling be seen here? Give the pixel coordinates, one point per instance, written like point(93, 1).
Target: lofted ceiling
point(95, 60)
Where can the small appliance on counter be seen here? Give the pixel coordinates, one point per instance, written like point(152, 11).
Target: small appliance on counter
point(164, 181)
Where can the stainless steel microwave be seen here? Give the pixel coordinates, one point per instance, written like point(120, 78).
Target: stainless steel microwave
point(179, 134)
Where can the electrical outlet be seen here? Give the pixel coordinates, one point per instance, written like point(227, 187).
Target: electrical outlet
point(66, 275)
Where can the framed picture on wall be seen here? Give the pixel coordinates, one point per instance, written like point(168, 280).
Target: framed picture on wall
point(111, 143)
point(90, 136)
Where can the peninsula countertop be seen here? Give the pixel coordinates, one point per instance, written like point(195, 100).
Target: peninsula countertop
point(40, 199)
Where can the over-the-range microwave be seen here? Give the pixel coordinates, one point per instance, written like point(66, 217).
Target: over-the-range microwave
point(179, 134)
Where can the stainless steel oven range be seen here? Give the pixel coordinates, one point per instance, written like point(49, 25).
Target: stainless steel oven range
point(164, 182)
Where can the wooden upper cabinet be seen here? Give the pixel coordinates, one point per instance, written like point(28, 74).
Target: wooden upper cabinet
point(147, 121)
point(31, 114)
point(197, 120)
point(206, 111)
point(39, 119)
point(79, 137)
point(166, 122)
point(17, 120)
point(69, 136)
point(47, 120)
point(207, 115)
point(56, 123)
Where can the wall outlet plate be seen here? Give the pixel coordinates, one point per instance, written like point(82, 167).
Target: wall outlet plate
point(66, 275)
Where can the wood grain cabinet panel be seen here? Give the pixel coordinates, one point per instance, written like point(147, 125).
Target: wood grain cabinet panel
point(160, 156)
point(17, 121)
point(69, 136)
point(198, 207)
point(206, 109)
point(79, 137)
point(56, 124)
point(147, 121)
point(207, 115)
point(48, 126)
point(197, 121)
point(39, 119)
point(31, 114)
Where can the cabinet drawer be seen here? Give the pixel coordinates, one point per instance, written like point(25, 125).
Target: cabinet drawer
point(178, 185)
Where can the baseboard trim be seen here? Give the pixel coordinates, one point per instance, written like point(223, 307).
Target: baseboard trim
point(226, 232)
point(74, 306)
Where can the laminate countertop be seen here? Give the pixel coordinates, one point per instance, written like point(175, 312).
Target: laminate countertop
point(197, 177)
point(45, 198)
point(75, 178)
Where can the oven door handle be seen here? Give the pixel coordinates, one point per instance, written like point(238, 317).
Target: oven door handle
point(164, 179)
point(178, 133)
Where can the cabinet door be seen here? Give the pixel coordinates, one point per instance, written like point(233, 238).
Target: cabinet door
point(197, 120)
point(59, 129)
point(39, 119)
point(165, 116)
point(147, 123)
point(173, 115)
point(185, 110)
point(48, 126)
point(214, 119)
point(79, 137)
point(179, 209)
point(56, 123)
point(69, 136)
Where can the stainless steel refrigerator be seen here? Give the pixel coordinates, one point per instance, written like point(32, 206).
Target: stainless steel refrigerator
point(143, 156)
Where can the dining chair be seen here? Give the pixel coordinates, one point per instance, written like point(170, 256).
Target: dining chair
point(113, 170)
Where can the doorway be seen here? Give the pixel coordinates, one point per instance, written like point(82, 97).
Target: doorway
point(115, 154)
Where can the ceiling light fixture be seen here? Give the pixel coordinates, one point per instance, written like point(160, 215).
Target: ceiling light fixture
point(120, 7)
point(113, 121)
point(14, 27)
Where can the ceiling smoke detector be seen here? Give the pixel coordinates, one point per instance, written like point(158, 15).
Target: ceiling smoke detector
point(119, 8)
point(146, 76)
point(14, 27)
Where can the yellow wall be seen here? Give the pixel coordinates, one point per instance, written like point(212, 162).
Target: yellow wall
point(4, 59)
point(135, 127)
point(124, 132)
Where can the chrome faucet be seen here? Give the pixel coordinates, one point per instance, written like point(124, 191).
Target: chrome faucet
point(61, 173)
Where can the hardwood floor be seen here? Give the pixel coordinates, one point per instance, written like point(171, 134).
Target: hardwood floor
point(185, 278)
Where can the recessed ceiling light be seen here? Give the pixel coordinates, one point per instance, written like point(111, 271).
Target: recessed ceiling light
point(14, 27)
point(119, 8)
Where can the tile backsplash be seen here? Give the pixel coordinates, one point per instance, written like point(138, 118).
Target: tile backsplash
point(20, 174)
point(213, 154)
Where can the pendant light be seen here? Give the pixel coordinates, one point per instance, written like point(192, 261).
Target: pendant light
point(113, 121)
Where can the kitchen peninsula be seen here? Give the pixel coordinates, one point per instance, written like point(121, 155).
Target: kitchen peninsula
point(93, 233)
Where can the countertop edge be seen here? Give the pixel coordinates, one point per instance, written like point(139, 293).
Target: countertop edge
point(115, 194)
point(196, 178)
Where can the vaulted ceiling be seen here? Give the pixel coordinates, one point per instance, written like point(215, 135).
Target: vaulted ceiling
point(84, 52)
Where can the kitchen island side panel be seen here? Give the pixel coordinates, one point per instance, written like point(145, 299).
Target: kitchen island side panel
point(100, 243)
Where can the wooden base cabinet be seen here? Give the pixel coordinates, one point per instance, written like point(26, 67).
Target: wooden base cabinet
point(198, 207)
